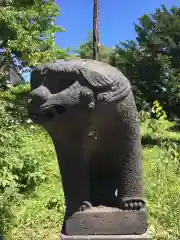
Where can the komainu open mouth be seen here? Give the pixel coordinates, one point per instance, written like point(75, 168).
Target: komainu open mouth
point(47, 113)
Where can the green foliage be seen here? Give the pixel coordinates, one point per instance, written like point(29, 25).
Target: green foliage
point(7, 199)
point(152, 64)
point(158, 111)
point(86, 50)
point(20, 167)
point(144, 116)
point(161, 172)
point(27, 31)
point(26, 165)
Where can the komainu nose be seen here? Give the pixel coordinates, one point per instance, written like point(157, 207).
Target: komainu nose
point(40, 93)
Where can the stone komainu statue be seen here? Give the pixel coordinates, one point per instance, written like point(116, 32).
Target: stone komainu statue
point(89, 111)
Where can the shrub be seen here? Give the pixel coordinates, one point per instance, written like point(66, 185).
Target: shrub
point(20, 169)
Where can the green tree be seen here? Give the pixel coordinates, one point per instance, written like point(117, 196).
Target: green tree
point(27, 31)
point(152, 63)
point(86, 50)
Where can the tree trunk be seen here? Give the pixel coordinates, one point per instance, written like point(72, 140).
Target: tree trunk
point(96, 31)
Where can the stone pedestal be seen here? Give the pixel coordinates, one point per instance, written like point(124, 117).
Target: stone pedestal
point(145, 236)
point(107, 223)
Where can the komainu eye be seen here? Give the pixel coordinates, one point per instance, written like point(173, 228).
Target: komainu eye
point(60, 109)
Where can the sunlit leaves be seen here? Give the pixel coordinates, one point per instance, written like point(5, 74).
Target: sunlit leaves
point(27, 30)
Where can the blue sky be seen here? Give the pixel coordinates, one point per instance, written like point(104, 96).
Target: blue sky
point(116, 19)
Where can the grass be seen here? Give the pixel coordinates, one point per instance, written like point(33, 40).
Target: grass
point(39, 215)
point(162, 180)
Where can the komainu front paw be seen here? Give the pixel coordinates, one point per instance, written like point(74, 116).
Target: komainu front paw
point(88, 96)
point(132, 204)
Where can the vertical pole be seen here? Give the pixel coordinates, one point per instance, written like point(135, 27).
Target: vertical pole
point(53, 34)
point(96, 42)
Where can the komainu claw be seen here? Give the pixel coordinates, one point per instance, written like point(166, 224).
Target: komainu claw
point(92, 105)
point(132, 204)
point(85, 205)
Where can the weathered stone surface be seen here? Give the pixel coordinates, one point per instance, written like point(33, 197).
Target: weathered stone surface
point(89, 111)
point(107, 221)
point(144, 236)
